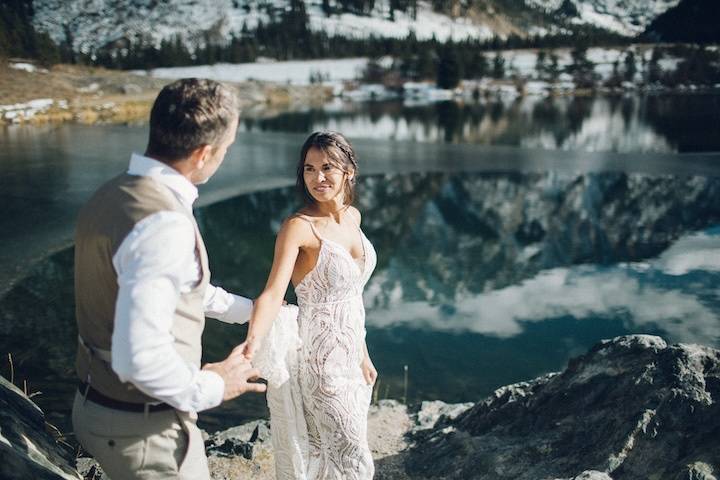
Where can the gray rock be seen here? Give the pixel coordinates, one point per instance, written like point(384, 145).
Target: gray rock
point(593, 475)
point(633, 407)
point(28, 448)
point(697, 471)
point(89, 469)
point(131, 88)
point(432, 411)
point(240, 440)
point(589, 475)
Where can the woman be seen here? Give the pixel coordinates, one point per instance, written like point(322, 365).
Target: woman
point(323, 251)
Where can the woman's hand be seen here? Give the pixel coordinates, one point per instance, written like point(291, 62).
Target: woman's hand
point(368, 370)
point(249, 347)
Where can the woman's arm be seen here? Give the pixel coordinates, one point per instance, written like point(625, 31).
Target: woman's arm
point(287, 247)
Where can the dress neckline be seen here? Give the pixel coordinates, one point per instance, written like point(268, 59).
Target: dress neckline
point(339, 246)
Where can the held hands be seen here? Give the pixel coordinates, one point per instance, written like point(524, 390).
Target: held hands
point(368, 370)
point(237, 372)
point(249, 347)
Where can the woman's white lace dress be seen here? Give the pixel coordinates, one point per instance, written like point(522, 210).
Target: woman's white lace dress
point(311, 357)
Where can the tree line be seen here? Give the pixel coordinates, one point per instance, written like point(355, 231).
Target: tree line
point(448, 65)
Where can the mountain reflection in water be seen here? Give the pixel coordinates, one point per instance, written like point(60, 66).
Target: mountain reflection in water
point(487, 279)
point(628, 123)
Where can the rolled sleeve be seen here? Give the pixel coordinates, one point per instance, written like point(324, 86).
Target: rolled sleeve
point(227, 307)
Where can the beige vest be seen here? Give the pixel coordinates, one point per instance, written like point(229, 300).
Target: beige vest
point(103, 223)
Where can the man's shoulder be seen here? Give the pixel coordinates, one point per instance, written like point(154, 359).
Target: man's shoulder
point(134, 191)
point(123, 201)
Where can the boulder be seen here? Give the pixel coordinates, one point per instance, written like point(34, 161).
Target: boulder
point(30, 448)
point(633, 407)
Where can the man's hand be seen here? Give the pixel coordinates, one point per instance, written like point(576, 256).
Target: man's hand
point(236, 371)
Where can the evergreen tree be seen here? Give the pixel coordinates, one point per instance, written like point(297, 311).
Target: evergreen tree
point(540, 65)
point(426, 68)
point(615, 80)
point(654, 72)
point(581, 68)
point(476, 66)
point(449, 70)
point(553, 69)
point(18, 37)
point(498, 69)
point(630, 69)
point(374, 72)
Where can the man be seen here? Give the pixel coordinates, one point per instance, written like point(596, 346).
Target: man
point(142, 292)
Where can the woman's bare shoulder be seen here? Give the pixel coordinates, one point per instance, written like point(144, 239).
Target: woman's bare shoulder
point(299, 227)
point(357, 216)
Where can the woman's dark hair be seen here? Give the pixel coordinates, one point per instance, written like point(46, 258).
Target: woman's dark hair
point(339, 152)
point(187, 114)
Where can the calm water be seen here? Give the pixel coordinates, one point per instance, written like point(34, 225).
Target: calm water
point(497, 262)
point(487, 279)
point(668, 123)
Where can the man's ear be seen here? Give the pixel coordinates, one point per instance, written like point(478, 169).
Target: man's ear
point(200, 155)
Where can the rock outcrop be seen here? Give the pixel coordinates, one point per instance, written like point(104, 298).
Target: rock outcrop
point(631, 408)
point(29, 447)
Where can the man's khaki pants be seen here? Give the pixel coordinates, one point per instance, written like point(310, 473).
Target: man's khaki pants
point(128, 446)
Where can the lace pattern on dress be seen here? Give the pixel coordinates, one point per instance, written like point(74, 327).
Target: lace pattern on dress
point(317, 395)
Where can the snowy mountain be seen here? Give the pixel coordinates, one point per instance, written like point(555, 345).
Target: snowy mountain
point(626, 17)
point(92, 24)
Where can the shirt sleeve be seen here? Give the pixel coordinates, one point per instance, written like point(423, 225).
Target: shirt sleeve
point(153, 263)
point(227, 307)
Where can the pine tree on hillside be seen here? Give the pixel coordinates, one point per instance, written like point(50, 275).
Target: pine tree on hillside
point(476, 65)
point(630, 69)
point(654, 72)
point(581, 68)
point(18, 37)
point(498, 69)
point(449, 70)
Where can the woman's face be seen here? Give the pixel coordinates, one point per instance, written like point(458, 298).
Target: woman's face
point(323, 179)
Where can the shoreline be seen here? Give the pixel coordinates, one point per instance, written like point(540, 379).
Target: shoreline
point(88, 95)
point(95, 95)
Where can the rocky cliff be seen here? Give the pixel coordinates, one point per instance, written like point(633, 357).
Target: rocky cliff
point(631, 408)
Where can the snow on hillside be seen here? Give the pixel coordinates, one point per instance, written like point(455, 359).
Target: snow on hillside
point(425, 26)
point(627, 17)
point(94, 24)
point(521, 63)
point(292, 72)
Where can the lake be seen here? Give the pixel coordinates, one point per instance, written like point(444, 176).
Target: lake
point(499, 257)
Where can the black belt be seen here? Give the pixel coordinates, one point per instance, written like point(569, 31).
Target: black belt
point(94, 396)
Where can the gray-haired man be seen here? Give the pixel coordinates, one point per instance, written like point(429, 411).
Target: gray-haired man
point(142, 294)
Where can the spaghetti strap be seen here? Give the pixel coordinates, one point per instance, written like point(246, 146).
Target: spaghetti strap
point(312, 225)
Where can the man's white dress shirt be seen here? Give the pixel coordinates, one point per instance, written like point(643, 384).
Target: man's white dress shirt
point(155, 262)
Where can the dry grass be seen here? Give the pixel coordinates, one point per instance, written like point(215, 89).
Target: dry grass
point(99, 95)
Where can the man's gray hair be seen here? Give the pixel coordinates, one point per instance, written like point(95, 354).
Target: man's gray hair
point(188, 114)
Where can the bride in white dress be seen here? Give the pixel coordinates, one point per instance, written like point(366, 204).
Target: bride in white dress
point(320, 376)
